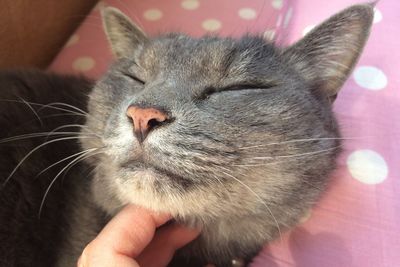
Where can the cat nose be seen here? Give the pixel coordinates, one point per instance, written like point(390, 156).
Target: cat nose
point(145, 119)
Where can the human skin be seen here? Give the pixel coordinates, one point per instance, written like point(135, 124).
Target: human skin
point(120, 244)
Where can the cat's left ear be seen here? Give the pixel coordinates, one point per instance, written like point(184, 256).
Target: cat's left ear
point(326, 55)
point(124, 36)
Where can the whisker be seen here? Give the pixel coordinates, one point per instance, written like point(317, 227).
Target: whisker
point(41, 134)
point(298, 155)
point(35, 149)
point(71, 126)
point(41, 105)
point(319, 152)
point(33, 110)
point(62, 114)
point(49, 116)
point(78, 110)
point(51, 106)
point(222, 184)
point(70, 114)
point(94, 154)
point(257, 196)
point(304, 140)
point(55, 178)
point(61, 109)
point(64, 159)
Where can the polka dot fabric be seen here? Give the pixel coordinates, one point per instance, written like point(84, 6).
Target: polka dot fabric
point(357, 222)
point(87, 51)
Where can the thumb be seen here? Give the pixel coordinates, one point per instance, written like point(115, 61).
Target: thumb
point(166, 241)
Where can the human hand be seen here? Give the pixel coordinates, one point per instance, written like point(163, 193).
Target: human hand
point(130, 240)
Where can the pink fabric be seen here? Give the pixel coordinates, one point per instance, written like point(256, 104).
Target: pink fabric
point(357, 221)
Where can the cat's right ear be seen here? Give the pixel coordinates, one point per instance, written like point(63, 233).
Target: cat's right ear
point(326, 55)
point(123, 35)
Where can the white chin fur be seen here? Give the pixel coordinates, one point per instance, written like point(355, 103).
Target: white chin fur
point(139, 189)
point(111, 191)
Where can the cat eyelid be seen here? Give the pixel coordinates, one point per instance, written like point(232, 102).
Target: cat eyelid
point(237, 87)
point(246, 86)
point(133, 77)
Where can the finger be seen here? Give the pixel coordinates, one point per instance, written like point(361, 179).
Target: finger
point(167, 240)
point(123, 238)
point(131, 230)
point(111, 260)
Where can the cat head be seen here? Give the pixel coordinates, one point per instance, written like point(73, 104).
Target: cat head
point(210, 127)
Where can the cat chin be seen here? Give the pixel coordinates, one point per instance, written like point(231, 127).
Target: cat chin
point(113, 189)
point(149, 189)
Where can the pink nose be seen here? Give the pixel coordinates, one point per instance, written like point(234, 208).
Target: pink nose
point(145, 119)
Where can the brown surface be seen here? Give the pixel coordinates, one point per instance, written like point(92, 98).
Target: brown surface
point(33, 31)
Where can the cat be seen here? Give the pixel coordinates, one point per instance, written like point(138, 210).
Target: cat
point(234, 136)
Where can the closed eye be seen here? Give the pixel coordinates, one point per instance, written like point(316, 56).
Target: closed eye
point(237, 87)
point(134, 78)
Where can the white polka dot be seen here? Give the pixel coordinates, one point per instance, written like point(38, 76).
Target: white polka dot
point(153, 14)
point(269, 35)
point(367, 166)
point(247, 13)
point(377, 15)
point(211, 25)
point(190, 4)
point(72, 40)
point(83, 64)
point(288, 17)
point(370, 78)
point(278, 4)
point(308, 29)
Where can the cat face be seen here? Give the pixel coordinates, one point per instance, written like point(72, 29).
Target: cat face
point(246, 127)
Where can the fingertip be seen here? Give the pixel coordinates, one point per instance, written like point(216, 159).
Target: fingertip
point(130, 231)
point(159, 218)
point(80, 262)
point(168, 239)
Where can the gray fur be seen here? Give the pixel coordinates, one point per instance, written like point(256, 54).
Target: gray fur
point(251, 144)
point(121, 32)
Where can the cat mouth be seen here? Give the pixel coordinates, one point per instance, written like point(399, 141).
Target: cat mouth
point(160, 173)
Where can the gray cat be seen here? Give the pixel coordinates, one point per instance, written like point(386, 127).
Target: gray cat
point(235, 136)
